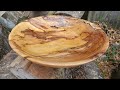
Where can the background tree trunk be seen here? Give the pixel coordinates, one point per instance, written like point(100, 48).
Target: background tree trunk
point(111, 18)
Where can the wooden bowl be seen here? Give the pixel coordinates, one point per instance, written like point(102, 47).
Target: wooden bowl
point(58, 41)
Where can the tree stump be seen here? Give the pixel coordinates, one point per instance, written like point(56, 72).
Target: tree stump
point(24, 69)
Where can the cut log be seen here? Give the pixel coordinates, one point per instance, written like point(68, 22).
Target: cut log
point(24, 69)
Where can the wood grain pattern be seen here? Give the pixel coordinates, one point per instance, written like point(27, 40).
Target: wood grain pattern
point(58, 41)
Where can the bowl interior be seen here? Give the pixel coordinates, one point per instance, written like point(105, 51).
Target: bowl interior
point(58, 41)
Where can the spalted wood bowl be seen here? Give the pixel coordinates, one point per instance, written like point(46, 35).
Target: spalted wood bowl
point(58, 41)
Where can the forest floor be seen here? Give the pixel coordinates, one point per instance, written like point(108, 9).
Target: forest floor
point(110, 62)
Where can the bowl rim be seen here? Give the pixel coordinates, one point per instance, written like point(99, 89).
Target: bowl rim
point(60, 64)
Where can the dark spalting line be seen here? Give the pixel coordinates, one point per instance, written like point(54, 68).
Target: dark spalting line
point(44, 35)
point(43, 27)
point(95, 42)
point(92, 37)
point(38, 35)
point(29, 32)
point(87, 51)
point(88, 39)
point(59, 19)
point(26, 53)
point(45, 40)
point(54, 27)
point(19, 48)
point(89, 34)
point(98, 43)
point(73, 52)
point(16, 45)
point(19, 36)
